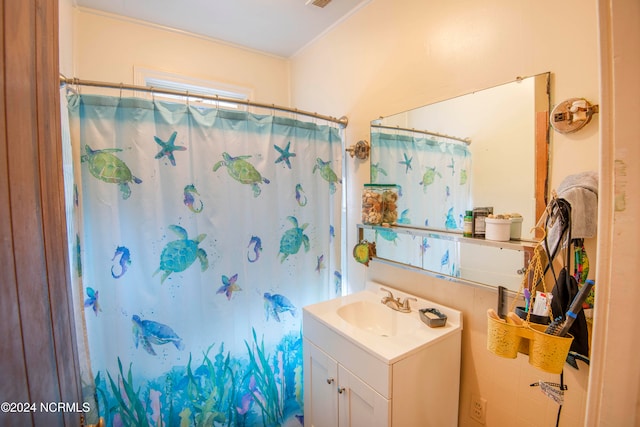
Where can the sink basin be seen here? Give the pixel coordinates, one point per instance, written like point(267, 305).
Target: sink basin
point(378, 319)
point(362, 320)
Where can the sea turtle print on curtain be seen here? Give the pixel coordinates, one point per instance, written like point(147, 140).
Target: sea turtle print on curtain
point(193, 278)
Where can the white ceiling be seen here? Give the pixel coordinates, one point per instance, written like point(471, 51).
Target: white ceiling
point(279, 27)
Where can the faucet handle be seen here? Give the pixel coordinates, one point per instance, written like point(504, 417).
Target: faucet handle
point(387, 291)
point(405, 303)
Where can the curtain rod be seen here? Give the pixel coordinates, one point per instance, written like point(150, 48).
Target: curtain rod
point(465, 140)
point(342, 121)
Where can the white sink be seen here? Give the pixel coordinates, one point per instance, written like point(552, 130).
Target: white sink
point(361, 319)
point(378, 319)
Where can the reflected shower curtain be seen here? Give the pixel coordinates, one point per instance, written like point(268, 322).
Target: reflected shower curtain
point(201, 233)
point(436, 175)
point(435, 190)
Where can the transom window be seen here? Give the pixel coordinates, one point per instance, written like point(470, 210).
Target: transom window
point(194, 87)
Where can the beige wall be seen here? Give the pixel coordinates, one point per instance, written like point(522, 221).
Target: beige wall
point(394, 56)
point(65, 36)
point(106, 48)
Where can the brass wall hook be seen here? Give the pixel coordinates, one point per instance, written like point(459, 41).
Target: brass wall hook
point(360, 150)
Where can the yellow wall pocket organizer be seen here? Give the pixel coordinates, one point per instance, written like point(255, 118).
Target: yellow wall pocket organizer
point(513, 335)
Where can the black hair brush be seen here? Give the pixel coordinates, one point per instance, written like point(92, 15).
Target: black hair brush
point(560, 326)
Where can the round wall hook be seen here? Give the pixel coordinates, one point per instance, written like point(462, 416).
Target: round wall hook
point(572, 115)
point(360, 150)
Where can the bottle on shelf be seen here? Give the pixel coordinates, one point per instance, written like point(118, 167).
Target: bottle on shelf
point(467, 230)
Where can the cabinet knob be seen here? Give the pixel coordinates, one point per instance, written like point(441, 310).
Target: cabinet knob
point(330, 380)
point(341, 390)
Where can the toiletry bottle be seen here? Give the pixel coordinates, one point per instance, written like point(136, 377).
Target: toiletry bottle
point(467, 230)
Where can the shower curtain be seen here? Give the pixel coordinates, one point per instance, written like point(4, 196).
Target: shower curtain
point(200, 233)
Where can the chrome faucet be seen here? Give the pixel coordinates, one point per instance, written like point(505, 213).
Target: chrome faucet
point(394, 303)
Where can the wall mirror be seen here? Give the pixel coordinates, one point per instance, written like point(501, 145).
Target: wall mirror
point(489, 148)
point(504, 164)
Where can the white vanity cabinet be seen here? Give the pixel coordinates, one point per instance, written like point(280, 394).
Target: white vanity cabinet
point(336, 397)
point(355, 376)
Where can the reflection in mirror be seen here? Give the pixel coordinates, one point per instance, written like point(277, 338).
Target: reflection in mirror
point(446, 254)
point(503, 166)
point(431, 174)
point(485, 149)
point(390, 243)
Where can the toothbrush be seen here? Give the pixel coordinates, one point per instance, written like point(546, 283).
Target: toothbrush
point(527, 299)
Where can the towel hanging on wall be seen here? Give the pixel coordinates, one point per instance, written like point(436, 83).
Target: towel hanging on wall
point(581, 192)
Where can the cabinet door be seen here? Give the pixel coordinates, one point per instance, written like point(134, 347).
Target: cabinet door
point(360, 405)
point(320, 388)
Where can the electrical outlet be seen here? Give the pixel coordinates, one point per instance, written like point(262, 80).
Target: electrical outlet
point(478, 409)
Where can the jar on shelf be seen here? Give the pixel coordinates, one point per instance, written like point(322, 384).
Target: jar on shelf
point(379, 204)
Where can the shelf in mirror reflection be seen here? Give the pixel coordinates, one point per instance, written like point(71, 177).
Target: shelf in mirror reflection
point(448, 254)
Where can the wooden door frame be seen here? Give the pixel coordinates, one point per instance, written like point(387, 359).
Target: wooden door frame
point(38, 357)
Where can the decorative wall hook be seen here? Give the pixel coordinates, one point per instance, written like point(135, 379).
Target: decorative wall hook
point(360, 150)
point(572, 115)
point(364, 251)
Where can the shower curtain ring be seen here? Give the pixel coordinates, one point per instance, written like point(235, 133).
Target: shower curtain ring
point(153, 94)
point(188, 99)
point(217, 102)
point(121, 84)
